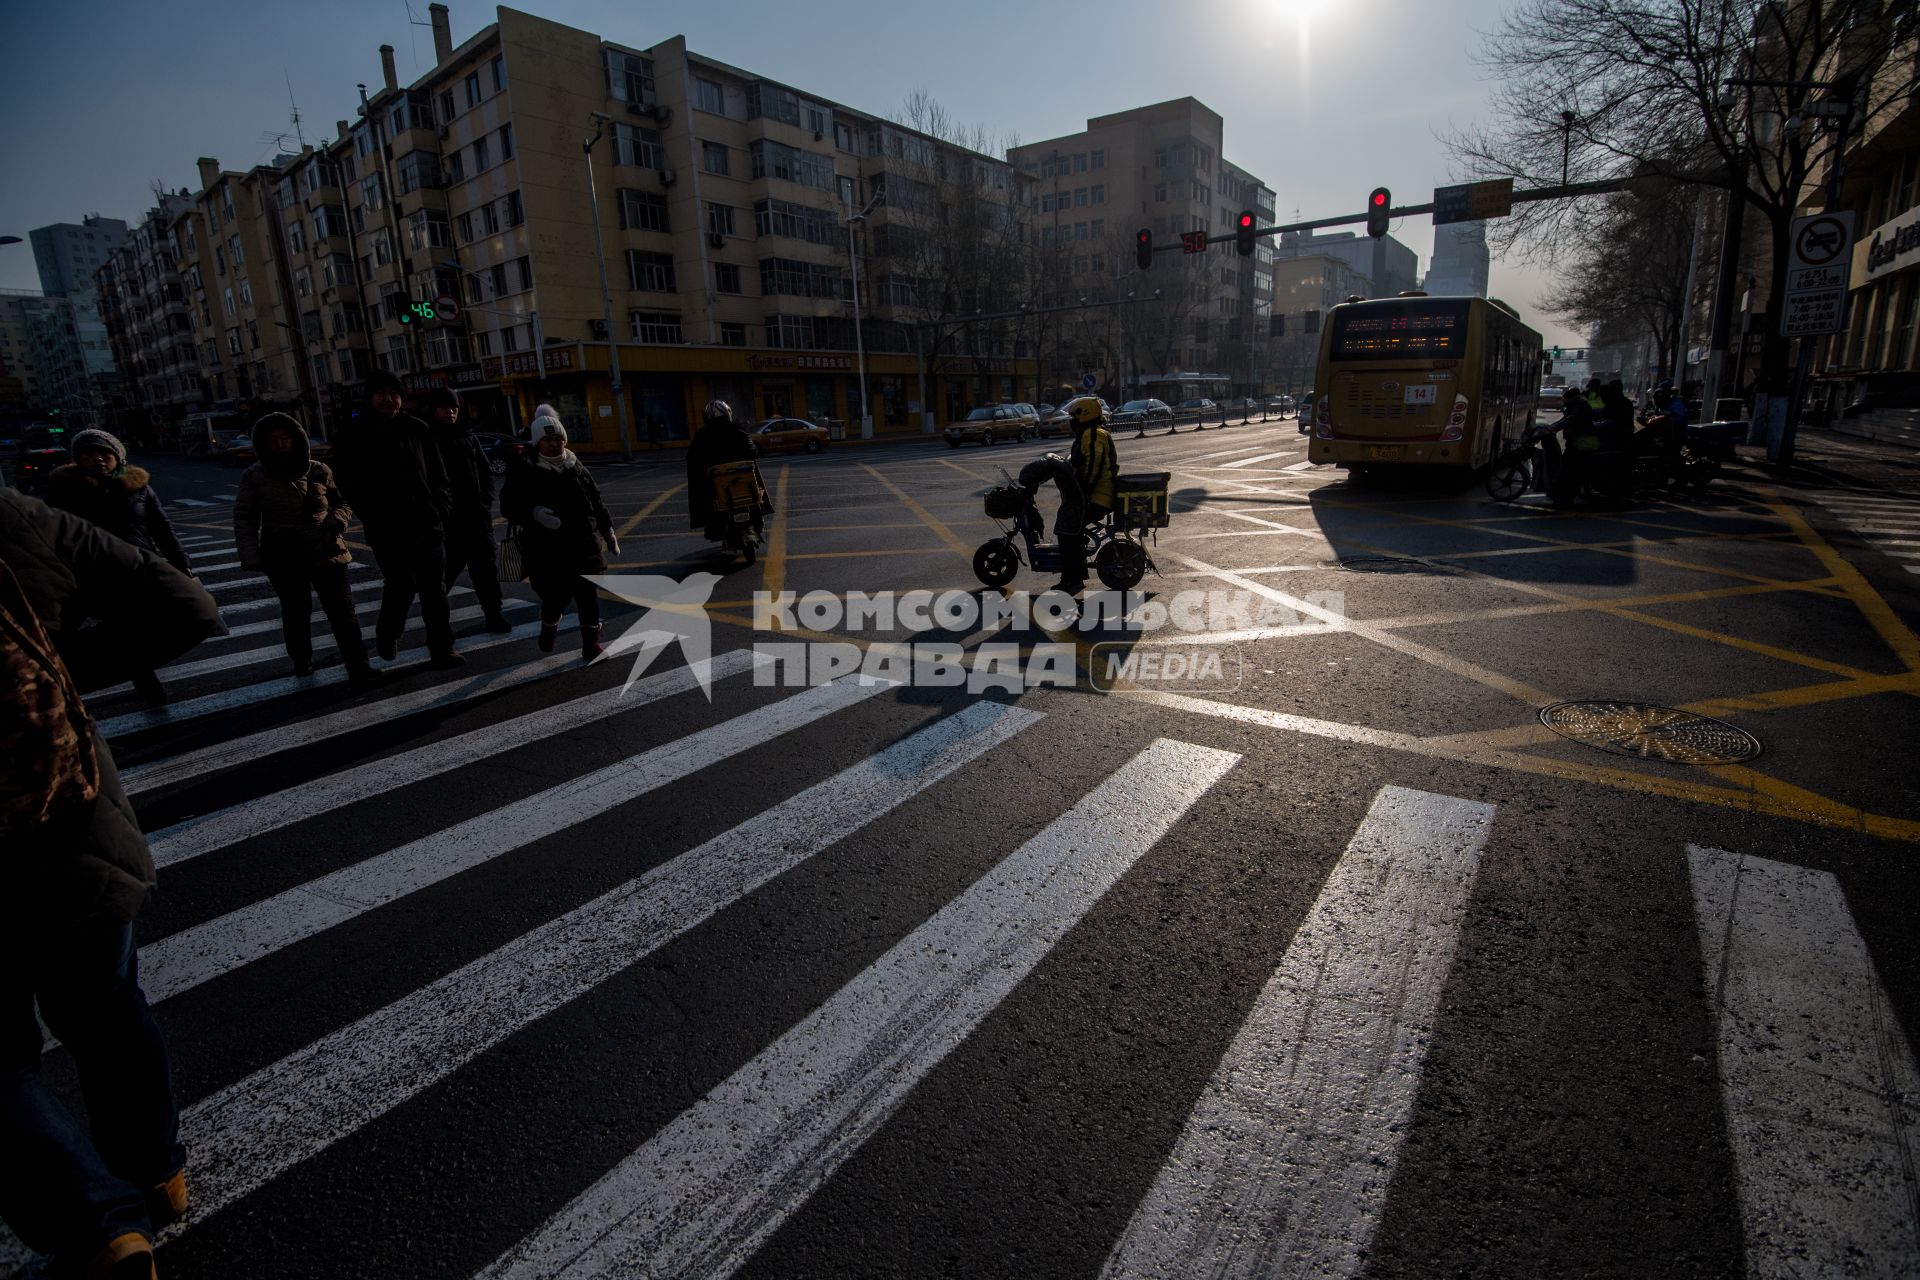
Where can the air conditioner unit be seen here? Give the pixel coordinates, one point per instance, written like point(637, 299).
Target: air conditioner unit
point(662, 113)
point(717, 240)
point(667, 177)
point(635, 109)
point(598, 328)
point(817, 135)
point(444, 132)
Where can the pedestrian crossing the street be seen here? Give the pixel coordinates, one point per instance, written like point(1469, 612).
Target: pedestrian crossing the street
point(595, 841)
point(1888, 521)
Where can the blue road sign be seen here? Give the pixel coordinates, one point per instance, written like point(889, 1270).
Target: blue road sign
point(1088, 381)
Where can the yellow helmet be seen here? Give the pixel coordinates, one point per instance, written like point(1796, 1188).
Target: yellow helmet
point(1086, 410)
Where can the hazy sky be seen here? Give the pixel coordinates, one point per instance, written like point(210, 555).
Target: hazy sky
point(101, 100)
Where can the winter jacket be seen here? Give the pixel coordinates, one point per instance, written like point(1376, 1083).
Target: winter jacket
point(392, 474)
point(1096, 464)
point(124, 504)
point(573, 548)
point(291, 512)
point(469, 474)
point(74, 847)
point(713, 444)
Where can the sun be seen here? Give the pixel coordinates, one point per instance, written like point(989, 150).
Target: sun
point(1300, 11)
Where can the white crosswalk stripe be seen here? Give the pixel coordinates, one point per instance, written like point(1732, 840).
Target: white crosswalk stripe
point(1889, 522)
point(703, 1193)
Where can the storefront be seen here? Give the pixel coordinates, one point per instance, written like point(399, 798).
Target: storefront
point(666, 388)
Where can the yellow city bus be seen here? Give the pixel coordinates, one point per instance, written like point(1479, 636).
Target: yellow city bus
point(1423, 381)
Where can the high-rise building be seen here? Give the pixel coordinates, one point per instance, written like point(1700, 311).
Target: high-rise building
point(1196, 319)
point(1304, 291)
point(79, 355)
point(21, 312)
point(1460, 259)
point(1401, 265)
point(144, 308)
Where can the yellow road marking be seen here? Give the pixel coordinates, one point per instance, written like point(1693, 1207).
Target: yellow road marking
point(774, 563)
point(626, 526)
point(1878, 613)
point(925, 516)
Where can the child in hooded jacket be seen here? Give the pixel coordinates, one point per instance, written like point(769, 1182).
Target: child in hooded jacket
point(562, 523)
point(290, 522)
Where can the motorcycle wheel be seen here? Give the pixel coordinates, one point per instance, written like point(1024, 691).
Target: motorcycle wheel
point(995, 563)
point(1701, 472)
point(1121, 564)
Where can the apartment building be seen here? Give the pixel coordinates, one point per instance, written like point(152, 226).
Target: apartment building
point(20, 386)
point(1161, 168)
point(143, 305)
point(1396, 265)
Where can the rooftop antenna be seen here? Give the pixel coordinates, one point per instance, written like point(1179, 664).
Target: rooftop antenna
point(294, 113)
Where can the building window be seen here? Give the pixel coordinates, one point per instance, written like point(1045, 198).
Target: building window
point(713, 158)
point(795, 221)
point(630, 77)
point(481, 160)
point(464, 223)
point(638, 147)
point(772, 102)
point(1046, 203)
point(643, 211)
point(396, 358)
point(427, 229)
point(515, 214)
point(1097, 229)
point(1048, 168)
point(371, 196)
point(506, 142)
point(802, 279)
point(1080, 162)
point(418, 169)
point(234, 253)
point(473, 89)
point(790, 333)
point(337, 272)
point(523, 268)
point(726, 278)
point(246, 293)
point(489, 219)
point(447, 346)
point(1099, 193)
point(510, 337)
point(446, 106)
point(456, 168)
point(720, 219)
point(303, 282)
point(483, 343)
point(499, 72)
point(843, 138)
point(1159, 193)
point(772, 160)
point(497, 279)
point(650, 272)
point(659, 327)
point(708, 95)
point(1098, 159)
point(733, 334)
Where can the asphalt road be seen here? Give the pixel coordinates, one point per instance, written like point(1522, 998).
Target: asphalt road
point(1352, 967)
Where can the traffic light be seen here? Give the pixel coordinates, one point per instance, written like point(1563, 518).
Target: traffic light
point(1277, 325)
point(1377, 206)
point(1143, 249)
point(1243, 233)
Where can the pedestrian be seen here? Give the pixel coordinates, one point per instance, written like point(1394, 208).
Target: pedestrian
point(100, 488)
point(391, 472)
point(555, 506)
point(1580, 462)
point(290, 521)
point(470, 543)
point(77, 873)
point(1096, 465)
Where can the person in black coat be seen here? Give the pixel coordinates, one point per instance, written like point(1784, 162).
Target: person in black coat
point(77, 872)
point(391, 472)
point(720, 439)
point(470, 524)
point(100, 488)
point(555, 506)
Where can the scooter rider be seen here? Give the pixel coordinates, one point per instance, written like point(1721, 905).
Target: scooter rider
point(1095, 464)
point(720, 439)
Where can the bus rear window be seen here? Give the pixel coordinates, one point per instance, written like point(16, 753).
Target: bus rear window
point(1416, 329)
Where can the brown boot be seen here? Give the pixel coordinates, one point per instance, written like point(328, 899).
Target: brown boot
point(167, 1203)
point(590, 642)
point(127, 1257)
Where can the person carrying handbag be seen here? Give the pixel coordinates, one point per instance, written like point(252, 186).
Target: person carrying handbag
point(562, 524)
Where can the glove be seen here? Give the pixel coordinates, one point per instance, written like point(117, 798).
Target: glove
point(613, 543)
point(546, 518)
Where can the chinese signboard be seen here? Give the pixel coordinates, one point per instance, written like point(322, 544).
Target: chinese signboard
point(1472, 201)
point(526, 363)
point(800, 362)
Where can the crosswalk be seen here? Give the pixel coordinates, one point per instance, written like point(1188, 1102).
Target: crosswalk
point(401, 918)
point(1887, 520)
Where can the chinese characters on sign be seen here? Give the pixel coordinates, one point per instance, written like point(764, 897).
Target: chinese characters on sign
point(800, 362)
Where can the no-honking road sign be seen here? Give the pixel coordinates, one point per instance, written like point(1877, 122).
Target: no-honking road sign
point(1819, 265)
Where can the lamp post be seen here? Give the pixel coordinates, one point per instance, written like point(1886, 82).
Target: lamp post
point(600, 119)
point(859, 342)
point(1567, 120)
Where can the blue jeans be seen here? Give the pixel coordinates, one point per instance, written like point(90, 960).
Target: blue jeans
point(62, 1190)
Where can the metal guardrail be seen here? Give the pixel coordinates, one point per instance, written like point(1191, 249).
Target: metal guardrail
point(1210, 421)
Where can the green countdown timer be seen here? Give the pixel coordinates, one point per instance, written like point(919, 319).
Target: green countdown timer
point(416, 311)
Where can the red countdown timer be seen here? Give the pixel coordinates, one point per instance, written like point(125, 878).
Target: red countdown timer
point(1194, 241)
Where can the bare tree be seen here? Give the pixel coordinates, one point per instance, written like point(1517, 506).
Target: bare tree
point(1632, 274)
point(1636, 89)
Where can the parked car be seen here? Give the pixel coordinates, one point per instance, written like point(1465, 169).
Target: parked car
point(238, 450)
point(1143, 413)
point(42, 447)
point(992, 423)
point(790, 435)
point(1202, 406)
point(1553, 398)
point(1053, 421)
point(499, 450)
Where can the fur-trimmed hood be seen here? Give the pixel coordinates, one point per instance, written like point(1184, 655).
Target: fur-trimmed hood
point(129, 479)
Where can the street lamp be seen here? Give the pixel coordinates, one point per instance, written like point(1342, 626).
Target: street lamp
point(1567, 120)
point(9, 239)
point(600, 120)
point(859, 341)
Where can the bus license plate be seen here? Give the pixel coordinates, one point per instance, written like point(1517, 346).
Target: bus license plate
point(1383, 451)
point(1422, 394)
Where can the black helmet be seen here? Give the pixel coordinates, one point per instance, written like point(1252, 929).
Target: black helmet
point(717, 411)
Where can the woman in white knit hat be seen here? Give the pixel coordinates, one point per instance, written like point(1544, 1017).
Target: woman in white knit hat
point(562, 523)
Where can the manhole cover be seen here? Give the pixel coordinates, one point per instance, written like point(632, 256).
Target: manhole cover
point(1650, 732)
point(1393, 564)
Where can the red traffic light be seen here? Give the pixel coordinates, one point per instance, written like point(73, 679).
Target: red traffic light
point(1379, 199)
point(1243, 233)
point(1246, 220)
point(1143, 249)
point(1379, 212)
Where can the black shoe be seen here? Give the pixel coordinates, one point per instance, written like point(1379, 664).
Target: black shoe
point(362, 676)
point(148, 686)
point(387, 646)
point(497, 623)
point(548, 630)
point(303, 666)
point(447, 661)
point(1070, 588)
